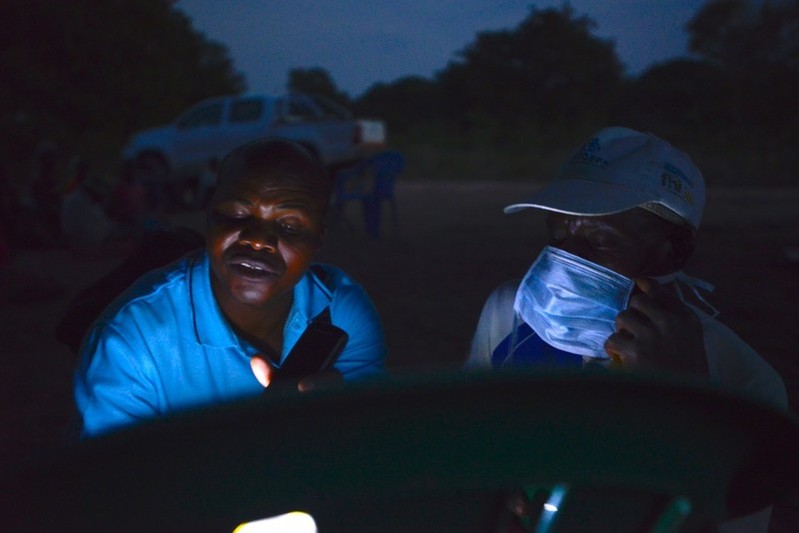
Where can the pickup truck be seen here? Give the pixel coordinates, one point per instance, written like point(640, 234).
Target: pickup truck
point(181, 157)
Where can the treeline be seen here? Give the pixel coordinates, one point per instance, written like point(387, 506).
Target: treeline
point(508, 106)
point(513, 101)
point(84, 74)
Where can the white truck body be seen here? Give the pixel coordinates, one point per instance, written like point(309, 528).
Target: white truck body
point(188, 150)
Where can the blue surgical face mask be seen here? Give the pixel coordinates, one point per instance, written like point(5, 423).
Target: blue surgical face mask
point(572, 303)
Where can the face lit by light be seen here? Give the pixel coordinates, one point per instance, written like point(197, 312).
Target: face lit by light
point(294, 522)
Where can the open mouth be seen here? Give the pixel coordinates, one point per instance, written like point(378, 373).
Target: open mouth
point(253, 268)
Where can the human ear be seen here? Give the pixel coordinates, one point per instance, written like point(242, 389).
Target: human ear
point(666, 257)
point(682, 242)
point(673, 246)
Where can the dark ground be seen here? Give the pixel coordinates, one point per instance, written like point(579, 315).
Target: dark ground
point(428, 278)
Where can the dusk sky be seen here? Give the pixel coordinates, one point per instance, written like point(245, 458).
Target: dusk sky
point(362, 42)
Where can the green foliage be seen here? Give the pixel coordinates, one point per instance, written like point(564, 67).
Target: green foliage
point(316, 81)
point(745, 35)
point(402, 104)
point(549, 71)
point(509, 105)
point(756, 47)
point(89, 73)
point(512, 103)
point(678, 96)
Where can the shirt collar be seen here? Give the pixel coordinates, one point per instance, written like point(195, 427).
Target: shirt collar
point(311, 296)
point(211, 327)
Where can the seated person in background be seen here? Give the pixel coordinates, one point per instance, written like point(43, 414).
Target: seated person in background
point(156, 249)
point(85, 225)
point(609, 288)
point(127, 203)
point(214, 325)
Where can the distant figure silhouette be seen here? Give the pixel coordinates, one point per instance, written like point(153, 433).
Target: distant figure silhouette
point(157, 249)
point(85, 226)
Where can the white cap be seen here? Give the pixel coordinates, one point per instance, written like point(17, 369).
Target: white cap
point(619, 169)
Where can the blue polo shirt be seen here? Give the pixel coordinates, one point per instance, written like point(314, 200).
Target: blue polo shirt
point(164, 346)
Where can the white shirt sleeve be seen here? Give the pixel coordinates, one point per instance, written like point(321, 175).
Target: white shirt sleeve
point(495, 323)
point(734, 364)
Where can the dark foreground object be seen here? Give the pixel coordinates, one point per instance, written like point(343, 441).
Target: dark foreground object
point(435, 453)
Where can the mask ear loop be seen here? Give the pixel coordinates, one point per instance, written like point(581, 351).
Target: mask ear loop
point(694, 284)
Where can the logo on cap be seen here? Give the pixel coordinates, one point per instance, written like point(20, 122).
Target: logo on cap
point(674, 181)
point(586, 155)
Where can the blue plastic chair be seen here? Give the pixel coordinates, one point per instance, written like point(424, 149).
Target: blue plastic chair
point(371, 182)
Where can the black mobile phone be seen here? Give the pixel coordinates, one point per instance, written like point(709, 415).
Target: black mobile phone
point(316, 351)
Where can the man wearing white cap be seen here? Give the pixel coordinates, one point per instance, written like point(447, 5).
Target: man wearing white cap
point(609, 289)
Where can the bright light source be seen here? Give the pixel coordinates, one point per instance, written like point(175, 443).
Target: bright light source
point(294, 522)
point(550, 510)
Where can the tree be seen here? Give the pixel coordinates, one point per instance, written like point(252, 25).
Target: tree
point(745, 34)
point(316, 81)
point(550, 70)
point(401, 104)
point(756, 43)
point(93, 72)
point(678, 97)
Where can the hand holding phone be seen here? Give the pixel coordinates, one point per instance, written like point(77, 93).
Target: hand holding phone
point(316, 351)
point(314, 354)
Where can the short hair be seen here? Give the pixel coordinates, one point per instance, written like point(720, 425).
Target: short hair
point(277, 156)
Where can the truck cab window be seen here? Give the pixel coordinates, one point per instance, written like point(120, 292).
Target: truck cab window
point(203, 115)
point(249, 110)
point(299, 110)
point(331, 109)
